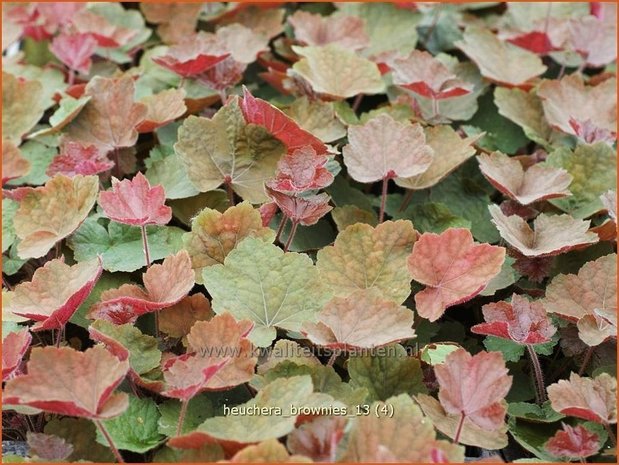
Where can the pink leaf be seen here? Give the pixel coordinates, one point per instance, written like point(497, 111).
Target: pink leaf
point(474, 385)
point(303, 210)
point(55, 292)
point(68, 382)
point(135, 202)
point(520, 321)
point(453, 268)
point(194, 55)
point(314, 29)
point(74, 50)
point(300, 171)
point(165, 284)
point(284, 128)
point(105, 33)
point(75, 158)
point(186, 376)
point(14, 347)
point(573, 442)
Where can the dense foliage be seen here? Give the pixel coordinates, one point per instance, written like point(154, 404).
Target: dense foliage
point(367, 232)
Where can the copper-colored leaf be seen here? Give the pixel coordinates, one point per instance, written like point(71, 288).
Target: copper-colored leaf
point(317, 439)
point(175, 21)
point(281, 126)
point(226, 149)
point(177, 320)
point(68, 382)
point(314, 29)
point(186, 376)
point(570, 99)
point(50, 213)
point(593, 399)
point(14, 165)
point(267, 452)
point(55, 292)
point(585, 298)
point(300, 171)
point(337, 72)
point(135, 202)
point(386, 148)
point(22, 106)
point(550, 235)
point(573, 442)
point(49, 447)
point(364, 319)
point(450, 151)
point(109, 119)
point(164, 285)
point(162, 108)
point(107, 34)
point(193, 55)
point(474, 386)
point(499, 61)
point(539, 182)
point(224, 339)
point(520, 321)
point(214, 234)
point(14, 347)
point(364, 257)
point(453, 268)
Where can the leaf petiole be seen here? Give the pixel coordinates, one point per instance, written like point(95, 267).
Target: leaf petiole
point(110, 441)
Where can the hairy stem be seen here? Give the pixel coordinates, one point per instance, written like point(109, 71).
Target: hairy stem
point(540, 389)
point(357, 102)
point(59, 335)
point(383, 199)
point(333, 358)
point(181, 417)
point(585, 361)
point(406, 200)
point(459, 429)
point(110, 441)
point(293, 231)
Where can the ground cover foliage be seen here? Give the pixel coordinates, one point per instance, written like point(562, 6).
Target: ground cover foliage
point(362, 232)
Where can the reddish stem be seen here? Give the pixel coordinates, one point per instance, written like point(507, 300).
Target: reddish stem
point(540, 390)
point(293, 231)
point(357, 102)
point(280, 228)
point(611, 434)
point(110, 441)
point(585, 361)
point(181, 417)
point(230, 193)
point(459, 429)
point(383, 199)
point(148, 262)
point(332, 358)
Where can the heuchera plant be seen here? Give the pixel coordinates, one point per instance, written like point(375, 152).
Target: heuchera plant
point(293, 232)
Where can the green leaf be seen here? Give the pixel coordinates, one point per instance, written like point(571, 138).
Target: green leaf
point(389, 28)
point(435, 354)
point(69, 108)
point(309, 237)
point(144, 355)
point(533, 412)
point(594, 169)
point(342, 193)
point(387, 373)
point(533, 436)
point(199, 409)
point(81, 434)
point(11, 264)
point(165, 167)
point(121, 245)
point(186, 209)
point(325, 380)
point(432, 217)
point(512, 352)
point(39, 156)
point(259, 282)
point(9, 208)
point(506, 277)
point(136, 429)
point(501, 133)
point(208, 453)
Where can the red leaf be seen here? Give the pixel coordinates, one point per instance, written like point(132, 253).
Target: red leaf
point(224, 74)
point(453, 268)
point(262, 113)
point(165, 284)
point(536, 41)
point(300, 171)
point(55, 292)
point(194, 55)
point(75, 158)
point(303, 210)
point(74, 50)
point(521, 321)
point(573, 442)
point(68, 382)
point(135, 202)
point(14, 347)
point(474, 385)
